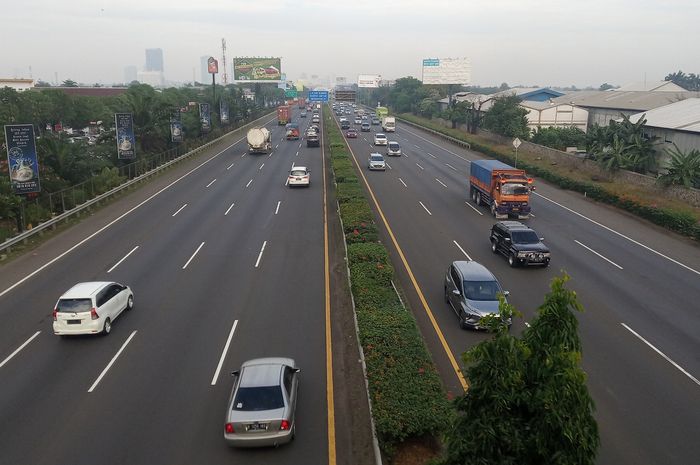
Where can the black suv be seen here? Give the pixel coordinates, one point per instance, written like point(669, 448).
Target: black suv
point(519, 243)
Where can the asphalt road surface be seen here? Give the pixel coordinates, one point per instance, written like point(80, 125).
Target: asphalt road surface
point(639, 284)
point(226, 263)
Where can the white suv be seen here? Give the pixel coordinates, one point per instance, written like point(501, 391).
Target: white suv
point(380, 139)
point(90, 308)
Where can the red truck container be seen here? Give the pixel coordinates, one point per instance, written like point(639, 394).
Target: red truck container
point(506, 190)
point(284, 114)
point(302, 102)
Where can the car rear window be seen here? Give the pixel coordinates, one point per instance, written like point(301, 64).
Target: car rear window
point(481, 290)
point(298, 173)
point(74, 305)
point(258, 398)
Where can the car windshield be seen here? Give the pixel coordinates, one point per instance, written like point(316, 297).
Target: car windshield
point(481, 290)
point(74, 305)
point(393, 146)
point(377, 158)
point(298, 173)
point(511, 188)
point(525, 237)
point(258, 398)
point(380, 136)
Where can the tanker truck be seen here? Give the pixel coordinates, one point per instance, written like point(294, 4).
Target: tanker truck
point(506, 190)
point(259, 140)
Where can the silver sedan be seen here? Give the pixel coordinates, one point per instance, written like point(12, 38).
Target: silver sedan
point(262, 404)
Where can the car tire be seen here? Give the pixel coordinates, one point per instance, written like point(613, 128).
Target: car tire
point(493, 209)
point(478, 198)
point(130, 302)
point(512, 260)
point(462, 324)
point(494, 246)
point(107, 328)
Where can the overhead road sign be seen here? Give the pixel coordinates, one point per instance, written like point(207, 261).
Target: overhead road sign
point(318, 95)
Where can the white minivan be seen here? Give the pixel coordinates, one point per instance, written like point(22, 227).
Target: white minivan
point(91, 307)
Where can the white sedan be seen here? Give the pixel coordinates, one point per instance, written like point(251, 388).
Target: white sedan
point(299, 176)
point(380, 139)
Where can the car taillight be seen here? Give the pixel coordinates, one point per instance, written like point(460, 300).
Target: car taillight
point(229, 428)
point(93, 314)
point(55, 313)
point(284, 426)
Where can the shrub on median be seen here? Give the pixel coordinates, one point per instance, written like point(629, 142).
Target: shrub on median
point(408, 400)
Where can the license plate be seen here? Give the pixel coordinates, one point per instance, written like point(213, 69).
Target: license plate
point(73, 322)
point(516, 209)
point(257, 427)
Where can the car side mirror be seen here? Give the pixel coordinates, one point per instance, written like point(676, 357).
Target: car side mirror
point(235, 373)
point(541, 238)
point(506, 293)
point(507, 239)
point(297, 370)
point(456, 292)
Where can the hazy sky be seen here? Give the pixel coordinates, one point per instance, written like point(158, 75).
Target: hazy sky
point(546, 42)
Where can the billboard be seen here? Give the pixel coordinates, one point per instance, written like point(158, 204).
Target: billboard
point(368, 80)
point(223, 112)
point(446, 71)
point(22, 159)
point(176, 126)
point(126, 141)
point(254, 69)
point(205, 117)
point(212, 66)
point(318, 96)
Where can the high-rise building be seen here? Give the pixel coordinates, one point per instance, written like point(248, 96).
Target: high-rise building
point(154, 59)
point(205, 77)
point(129, 74)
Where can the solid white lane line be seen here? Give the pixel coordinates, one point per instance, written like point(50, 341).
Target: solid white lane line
point(17, 350)
point(462, 250)
point(229, 208)
point(601, 256)
point(124, 258)
point(404, 184)
point(278, 206)
point(179, 209)
point(451, 167)
point(195, 253)
point(425, 208)
point(223, 353)
point(443, 184)
point(419, 166)
point(474, 208)
point(667, 358)
point(257, 262)
point(111, 362)
point(620, 234)
point(248, 183)
point(230, 166)
point(261, 166)
point(432, 155)
point(212, 182)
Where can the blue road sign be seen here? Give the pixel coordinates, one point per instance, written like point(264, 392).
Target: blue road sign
point(318, 96)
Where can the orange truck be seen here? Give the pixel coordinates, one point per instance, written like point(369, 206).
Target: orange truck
point(302, 102)
point(284, 114)
point(506, 190)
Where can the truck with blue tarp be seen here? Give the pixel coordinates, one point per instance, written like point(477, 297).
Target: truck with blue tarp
point(504, 189)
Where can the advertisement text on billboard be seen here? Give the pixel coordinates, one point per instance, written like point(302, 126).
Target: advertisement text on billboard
point(446, 71)
point(126, 141)
point(257, 69)
point(22, 158)
point(368, 80)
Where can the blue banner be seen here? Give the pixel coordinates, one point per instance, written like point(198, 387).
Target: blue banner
point(22, 159)
point(205, 117)
point(126, 141)
point(223, 112)
point(318, 96)
point(431, 62)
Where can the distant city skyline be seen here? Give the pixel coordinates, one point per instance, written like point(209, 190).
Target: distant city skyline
point(549, 43)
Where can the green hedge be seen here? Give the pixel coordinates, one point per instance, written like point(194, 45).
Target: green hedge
point(683, 222)
point(408, 400)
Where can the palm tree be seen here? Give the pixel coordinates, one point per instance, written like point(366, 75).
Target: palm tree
point(683, 168)
point(614, 156)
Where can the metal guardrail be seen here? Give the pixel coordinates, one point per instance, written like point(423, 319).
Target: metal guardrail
point(23, 237)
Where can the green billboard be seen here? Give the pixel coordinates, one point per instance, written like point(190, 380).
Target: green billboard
point(257, 69)
point(290, 93)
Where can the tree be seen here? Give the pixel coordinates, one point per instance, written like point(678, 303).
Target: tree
point(683, 168)
point(559, 137)
point(527, 402)
point(687, 81)
point(507, 118)
point(606, 86)
point(622, 145)
point(69, 83)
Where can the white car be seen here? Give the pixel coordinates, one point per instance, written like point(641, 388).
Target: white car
point(393, 149)
point(380, 139)
point(315, 119)
point(376, 162)
point(91, 308)
point(358, 121)
point(299, 176)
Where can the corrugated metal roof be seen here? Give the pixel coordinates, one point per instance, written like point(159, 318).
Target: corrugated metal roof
point(653, 86)
point(616, 100)
point(682, 116)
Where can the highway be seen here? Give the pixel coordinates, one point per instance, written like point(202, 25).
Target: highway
point(639, 284)
point(226, 264)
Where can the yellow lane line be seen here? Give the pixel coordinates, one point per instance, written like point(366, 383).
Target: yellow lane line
point(426, 307)
point(329, 348)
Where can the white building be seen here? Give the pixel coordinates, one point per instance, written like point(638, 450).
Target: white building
point(152, 78)
point(17, 84)
point(555, 115)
